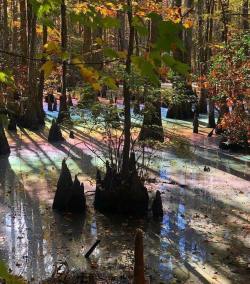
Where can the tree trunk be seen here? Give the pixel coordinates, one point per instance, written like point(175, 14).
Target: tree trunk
point(188, 37)
point(152, 123)
point(23, 29)
point(14, 31)
point(41, 81)
point(63, 111)
point(126, 94)
point(97, 57)
point(225, 19)
point(211, 117)
point(245, 21)
point(5, 25)
point(121, 32)
point(30, 119)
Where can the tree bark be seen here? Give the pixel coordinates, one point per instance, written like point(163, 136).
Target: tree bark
point(211, 117)
point(126, 94)
point(41, 81)
point(152, 123)
point(245, 21)
point(63, 111)
point(23, 29)
point(5, 25)
point(30, 118)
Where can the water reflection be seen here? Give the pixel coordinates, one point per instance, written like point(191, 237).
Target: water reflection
point(35, 237)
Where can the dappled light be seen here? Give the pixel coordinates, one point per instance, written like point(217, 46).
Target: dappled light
point(124, 142)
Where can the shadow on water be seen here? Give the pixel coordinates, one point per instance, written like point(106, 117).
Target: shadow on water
point(34, 238)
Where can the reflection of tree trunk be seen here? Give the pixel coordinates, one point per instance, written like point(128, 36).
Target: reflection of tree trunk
point(63, 112)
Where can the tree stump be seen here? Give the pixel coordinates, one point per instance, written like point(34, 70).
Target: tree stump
point(55, 134)
point(139, 277)
point(4, 145)
point(157, 208)
point(117, 194)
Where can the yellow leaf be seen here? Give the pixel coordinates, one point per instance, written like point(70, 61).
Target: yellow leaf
point(96, 86)
point(188, 24)
point(47, 67)
point(52, 47)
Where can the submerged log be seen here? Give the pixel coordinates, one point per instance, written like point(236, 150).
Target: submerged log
point(87, 255)
point(139, 277)
point(4, 145)
point(157, 208)
point(55, 134)
point(64, 189)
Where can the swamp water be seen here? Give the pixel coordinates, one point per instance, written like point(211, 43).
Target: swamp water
point(190, 243)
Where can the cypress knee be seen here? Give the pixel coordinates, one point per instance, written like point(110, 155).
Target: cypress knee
point(55, 134)
point(77, 201)
point(64, 189)
point(139, 277)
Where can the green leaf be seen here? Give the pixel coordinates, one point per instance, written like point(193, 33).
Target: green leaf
point(110, 22)
point(110, 82)
point(109, 52)
point(6, 78)
point(10, 279)
point(146, 69)
point(140, 26)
